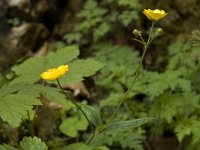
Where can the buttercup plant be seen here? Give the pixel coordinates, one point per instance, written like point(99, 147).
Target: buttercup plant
point(90, 114)
point(152, 15)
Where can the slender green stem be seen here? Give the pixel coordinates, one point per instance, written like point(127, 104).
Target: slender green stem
point(142, 42)
point(150, 34)
point(141, 38)
point(146, 46)
point(78, 107)
point(31, 125)
point(10, 136)
point(131, 86)
point(90, 139)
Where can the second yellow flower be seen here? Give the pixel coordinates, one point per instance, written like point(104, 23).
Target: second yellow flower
point(154, 15)
point(54, 73)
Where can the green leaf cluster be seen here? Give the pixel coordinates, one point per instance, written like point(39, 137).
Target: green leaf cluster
point(27, 143)
point(171, 95)
point(18, 96)
point(81, 146)
point(126, 139)
point(97, 19)
point(71, 125)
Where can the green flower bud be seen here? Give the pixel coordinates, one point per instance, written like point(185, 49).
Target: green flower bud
point(136, 32)
point(159, 31)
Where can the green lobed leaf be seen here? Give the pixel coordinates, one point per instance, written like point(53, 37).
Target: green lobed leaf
point(29, 71)
point(52, 94)
point(14, 106)
point(2, 81)
point(7, 147)
point(166, 105)
point(100, 148)
point(72, 77)
point(29, 115)
point(34, 90)
point(72, 37)
point(154, 83)
point(11, 89)
point(62, 56)
point(92, 114)
point(85, 67)
point(132, 3)
point(74, 146)
point(112, 100)
point(182, 56)
point(183, 129)
point(102, 29)
point(131, 138)
point(71, 125)
point(67, 127)
point(186, 127)
point(80, 146)
point(169, 105)
point(79, 69)
point(127, 17)
point(29, 143)
point(119, 70)
point(92, 15)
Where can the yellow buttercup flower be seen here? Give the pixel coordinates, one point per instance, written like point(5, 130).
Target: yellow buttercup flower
point(54, 73)
point(154, 15)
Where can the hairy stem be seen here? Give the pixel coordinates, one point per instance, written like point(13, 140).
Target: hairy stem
point(31, 125)
point(146, 46)
point(90, 139)
point(77, 106)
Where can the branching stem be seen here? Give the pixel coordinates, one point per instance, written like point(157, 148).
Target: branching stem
point(146, 46)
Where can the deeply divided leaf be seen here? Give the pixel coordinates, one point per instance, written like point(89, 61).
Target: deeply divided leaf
point(29, 143)
point(14, 106)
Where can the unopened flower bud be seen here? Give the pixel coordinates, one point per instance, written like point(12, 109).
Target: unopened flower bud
point(159, 31)
point(136, 32)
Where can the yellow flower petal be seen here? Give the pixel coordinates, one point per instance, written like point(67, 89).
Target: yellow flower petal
point(54, 73)
point(154, 15)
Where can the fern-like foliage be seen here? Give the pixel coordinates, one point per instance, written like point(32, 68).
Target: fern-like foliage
point(195, 38)
point(188, 127)
point(170, 106)
point(133, 3)
point(171, 95)
point(128, 139)
point(98, 19)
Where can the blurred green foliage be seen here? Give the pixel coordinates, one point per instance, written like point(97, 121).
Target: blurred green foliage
point(167, 88)
point(28, 143)
point(172, 95)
